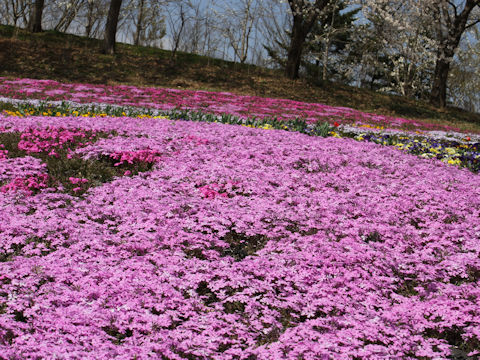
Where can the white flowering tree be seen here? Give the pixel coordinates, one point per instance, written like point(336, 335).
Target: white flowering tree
point(401, 35)
point(419, 40)
point(327, 43)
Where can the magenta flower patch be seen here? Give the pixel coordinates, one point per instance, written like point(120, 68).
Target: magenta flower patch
point(3, 152)
point(132, 157)
point(29, 185)
point(50, 140)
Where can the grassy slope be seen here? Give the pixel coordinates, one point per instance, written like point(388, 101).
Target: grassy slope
point(70, 58)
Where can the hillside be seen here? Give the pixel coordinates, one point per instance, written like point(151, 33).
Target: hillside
point(70, 58)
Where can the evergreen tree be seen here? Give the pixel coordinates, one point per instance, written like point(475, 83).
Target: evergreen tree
point(329, 41)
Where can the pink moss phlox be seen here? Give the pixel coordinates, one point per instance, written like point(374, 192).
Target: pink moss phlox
point(211, 191)
point(132, 157)
point(27, 185)
point(49, 140)
point(11, 168)
point(3, 152)
point(75, 181)
point(196, 140)
point(329, 249)
point(229, 188)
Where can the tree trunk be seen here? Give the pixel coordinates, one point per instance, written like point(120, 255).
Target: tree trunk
point(138, 32)
point(295, 51)
point(35, 22)
point(304, 17)
point(65, 22)
point(457, 26)
point(90, 19)
point(325, 59)
point(438, 96)
point(111, 27)
point(177, 37)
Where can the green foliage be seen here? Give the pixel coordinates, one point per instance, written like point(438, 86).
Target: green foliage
point(242, 245)
point(323, 129)
point(332, 30)
point(10, 142)
point(65, 109)
point(330, 36)
point(7, 106)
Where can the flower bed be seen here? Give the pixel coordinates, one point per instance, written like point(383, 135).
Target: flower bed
point(229, 242)
point(204, 101)
point(451, 147)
